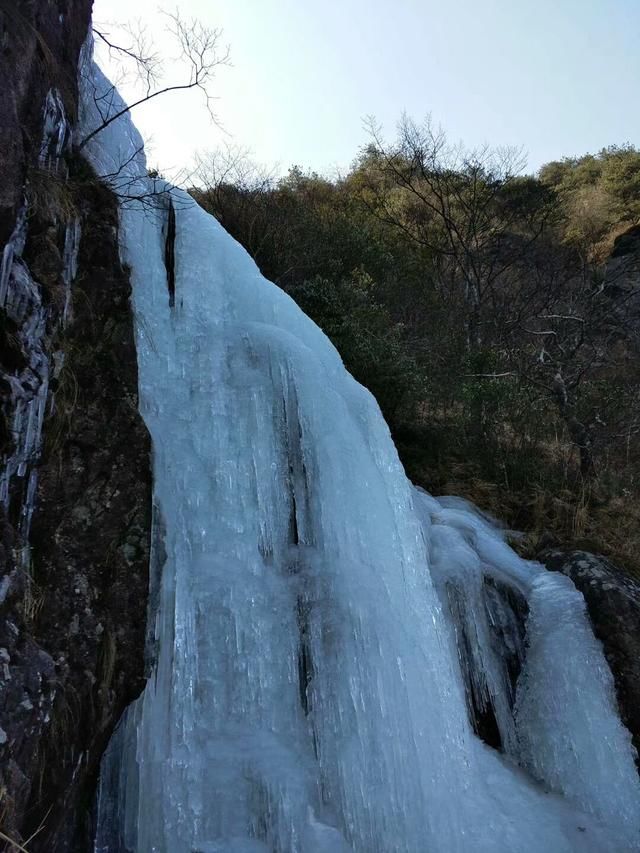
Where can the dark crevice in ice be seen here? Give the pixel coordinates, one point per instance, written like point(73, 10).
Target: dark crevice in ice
point(170, 252)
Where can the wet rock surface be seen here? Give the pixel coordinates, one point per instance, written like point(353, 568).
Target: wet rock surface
point(72, 620)
point(73, 578)
point(90, 534)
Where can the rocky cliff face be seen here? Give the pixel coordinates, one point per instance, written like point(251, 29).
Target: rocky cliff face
point(75, 485)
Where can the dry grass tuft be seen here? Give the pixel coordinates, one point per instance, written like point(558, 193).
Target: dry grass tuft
point(50, 197)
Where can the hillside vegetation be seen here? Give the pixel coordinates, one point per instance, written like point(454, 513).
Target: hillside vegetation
point(495, 316)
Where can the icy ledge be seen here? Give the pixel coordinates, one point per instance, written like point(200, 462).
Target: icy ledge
point(308, 691)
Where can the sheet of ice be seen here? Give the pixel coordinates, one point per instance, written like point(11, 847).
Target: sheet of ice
point(306, 693)
point(485, 634)
point(569, 732)
point(564, 727)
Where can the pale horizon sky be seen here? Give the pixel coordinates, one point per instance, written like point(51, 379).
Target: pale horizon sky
point(557, 77)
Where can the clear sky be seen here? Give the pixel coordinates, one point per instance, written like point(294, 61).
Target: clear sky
point(558, 77)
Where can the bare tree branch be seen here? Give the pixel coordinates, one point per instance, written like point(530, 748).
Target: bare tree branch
point(200, 50)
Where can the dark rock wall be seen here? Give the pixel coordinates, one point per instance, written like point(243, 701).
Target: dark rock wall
point(90, 535)
point(39, 45)
point(72, 613)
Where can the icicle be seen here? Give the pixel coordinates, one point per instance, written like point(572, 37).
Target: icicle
point(72, 236)
point(56, 134)
point(13, 248)
point(26, 404)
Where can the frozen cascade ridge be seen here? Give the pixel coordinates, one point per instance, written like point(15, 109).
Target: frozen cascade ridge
point(324, 633)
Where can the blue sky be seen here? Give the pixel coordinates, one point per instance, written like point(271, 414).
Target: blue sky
point(558, 77)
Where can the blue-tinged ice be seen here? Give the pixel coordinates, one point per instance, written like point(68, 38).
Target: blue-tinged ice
point(308, 691)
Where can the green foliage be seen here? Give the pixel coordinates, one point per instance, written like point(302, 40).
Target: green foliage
point(621, 178)
point(600, 193)
point(374, 348)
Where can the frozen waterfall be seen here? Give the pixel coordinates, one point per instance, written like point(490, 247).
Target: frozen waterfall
point(322, 630)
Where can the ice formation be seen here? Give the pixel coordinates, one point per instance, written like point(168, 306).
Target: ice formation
point(56, 132)
point(323, 631)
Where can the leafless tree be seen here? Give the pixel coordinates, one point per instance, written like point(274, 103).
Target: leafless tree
point(235, 189)
point(134, 54)
point(231, 165)
point(542, 314)
point(456, 203)
point(201, 53)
